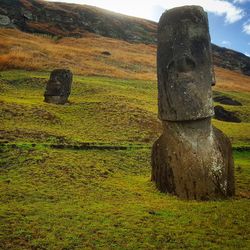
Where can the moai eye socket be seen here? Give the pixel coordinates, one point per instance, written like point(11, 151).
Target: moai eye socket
point(171, 66)
point(183, 64)
point(66, 75)
point(190, 63)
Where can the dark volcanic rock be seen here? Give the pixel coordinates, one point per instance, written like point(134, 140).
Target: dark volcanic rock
point(191, 159)
point(58, 87)
point(226, 100)
point(106, 53)
point(224, 115)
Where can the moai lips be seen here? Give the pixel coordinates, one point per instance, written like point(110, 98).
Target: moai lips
point(184, 65)
point(191, 159)
point(58, 87)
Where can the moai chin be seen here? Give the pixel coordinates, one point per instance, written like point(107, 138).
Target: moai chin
point(191, 159)
point(58, 87)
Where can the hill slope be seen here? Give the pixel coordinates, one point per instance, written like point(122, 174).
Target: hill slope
point(77, 176)
point(61, 19)
point(19, 50)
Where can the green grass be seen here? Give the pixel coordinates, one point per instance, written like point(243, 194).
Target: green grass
point(239, 133)
point(100, 198)
point(100, 109)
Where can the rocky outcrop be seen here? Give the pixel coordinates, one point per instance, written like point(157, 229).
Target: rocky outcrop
point(62, 19)
point(230, 59)
point(58, 87)
point(191, 159)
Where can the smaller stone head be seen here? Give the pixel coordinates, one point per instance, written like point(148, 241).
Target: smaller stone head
point(59, 86)
point(184, 65)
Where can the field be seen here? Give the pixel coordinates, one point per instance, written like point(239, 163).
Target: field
point(77, 176)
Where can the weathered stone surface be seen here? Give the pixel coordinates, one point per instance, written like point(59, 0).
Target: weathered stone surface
point(27, 14)
point(58, 87)
point(4, 20)
point(226, 100)
point(184, 65)
point(191, 159)
point(3, 11)
point(225, 115)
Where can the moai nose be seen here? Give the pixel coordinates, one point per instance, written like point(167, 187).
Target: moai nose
point(185, 64)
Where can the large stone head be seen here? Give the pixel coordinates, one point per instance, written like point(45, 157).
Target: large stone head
point(184, 65)
point(59, 86)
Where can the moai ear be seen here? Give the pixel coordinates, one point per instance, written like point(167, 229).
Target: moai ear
point(213, 76)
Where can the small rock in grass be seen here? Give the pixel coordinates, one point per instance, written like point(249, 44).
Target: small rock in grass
point(106, 53)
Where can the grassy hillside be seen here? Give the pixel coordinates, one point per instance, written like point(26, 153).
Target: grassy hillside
point(20, 50)
point(77, 176)
point(84, 56)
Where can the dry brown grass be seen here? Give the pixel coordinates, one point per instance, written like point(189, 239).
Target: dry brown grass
point(20, 50)
point(230, 80)
point(83, 56)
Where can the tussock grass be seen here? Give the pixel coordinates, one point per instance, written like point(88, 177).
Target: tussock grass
point(83, 56)
point(25, 51)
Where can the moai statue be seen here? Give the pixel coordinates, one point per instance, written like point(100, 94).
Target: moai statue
point(191, 159)
point(58, 87)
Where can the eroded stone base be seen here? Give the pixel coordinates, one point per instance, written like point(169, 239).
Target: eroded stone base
point(56, 99)
point(193, 160)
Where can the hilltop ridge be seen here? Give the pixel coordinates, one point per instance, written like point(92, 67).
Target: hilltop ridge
point(73, 20)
